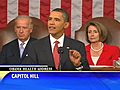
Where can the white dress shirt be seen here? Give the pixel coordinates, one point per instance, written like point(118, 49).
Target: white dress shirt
point(25, 43)
point(22, 46)
point(60, 40)
point(95, 59)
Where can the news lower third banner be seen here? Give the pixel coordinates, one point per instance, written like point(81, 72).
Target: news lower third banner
point(45, 80)
point(25, 68)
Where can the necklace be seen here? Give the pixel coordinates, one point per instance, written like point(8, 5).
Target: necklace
point(97, 49)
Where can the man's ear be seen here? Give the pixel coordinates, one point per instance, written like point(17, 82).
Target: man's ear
point(31, 30)
point(66, 24)
point(15, 29)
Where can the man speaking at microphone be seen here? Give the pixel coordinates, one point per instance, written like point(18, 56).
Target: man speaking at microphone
point(45, 50)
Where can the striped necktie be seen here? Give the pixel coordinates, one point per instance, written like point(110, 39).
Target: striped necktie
point(21, 49)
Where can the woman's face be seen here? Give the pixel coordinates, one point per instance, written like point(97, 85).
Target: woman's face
point(93, 34)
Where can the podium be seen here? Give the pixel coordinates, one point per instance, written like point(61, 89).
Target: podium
point(104, 68)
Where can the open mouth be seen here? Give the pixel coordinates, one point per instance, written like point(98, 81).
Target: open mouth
point(51, 28)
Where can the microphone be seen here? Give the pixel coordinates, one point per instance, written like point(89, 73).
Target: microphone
point(60, 51)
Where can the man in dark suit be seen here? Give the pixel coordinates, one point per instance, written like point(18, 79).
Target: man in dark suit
point(15, 51)
point(72, 52)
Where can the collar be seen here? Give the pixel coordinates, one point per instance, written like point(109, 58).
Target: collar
point(61, 40)
point(25, 43)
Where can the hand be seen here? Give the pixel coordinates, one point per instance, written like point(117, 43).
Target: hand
point(75, 57)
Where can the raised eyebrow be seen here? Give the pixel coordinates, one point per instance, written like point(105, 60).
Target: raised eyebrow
point(57, 18)
point(17, 26)
point(49, 17)
point(95, 30)
point(22, 26)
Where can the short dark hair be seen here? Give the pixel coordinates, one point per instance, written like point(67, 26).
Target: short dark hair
point(103, 32)
point(65, 14)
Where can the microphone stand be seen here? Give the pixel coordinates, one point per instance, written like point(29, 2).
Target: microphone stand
point(60, 52)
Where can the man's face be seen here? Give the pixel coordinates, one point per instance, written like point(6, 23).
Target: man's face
point(56, 24)
point(22, 29)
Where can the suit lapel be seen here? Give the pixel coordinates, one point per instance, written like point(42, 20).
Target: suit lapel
point(16, 50)
point(25, 50)
point(49, 54)
point(65, 55)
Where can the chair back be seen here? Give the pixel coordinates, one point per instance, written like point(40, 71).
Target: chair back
point(7, 34)
point(112, 25)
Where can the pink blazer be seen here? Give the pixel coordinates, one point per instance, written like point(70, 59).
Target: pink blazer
point(109, 54)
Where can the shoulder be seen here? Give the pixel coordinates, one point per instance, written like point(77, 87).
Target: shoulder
point(44, 39)
point(10, 43)
point(9, 46)
point(32, 39)
point(87, 47)
point(111, 47)
point(40, 41)
point(73, 41)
